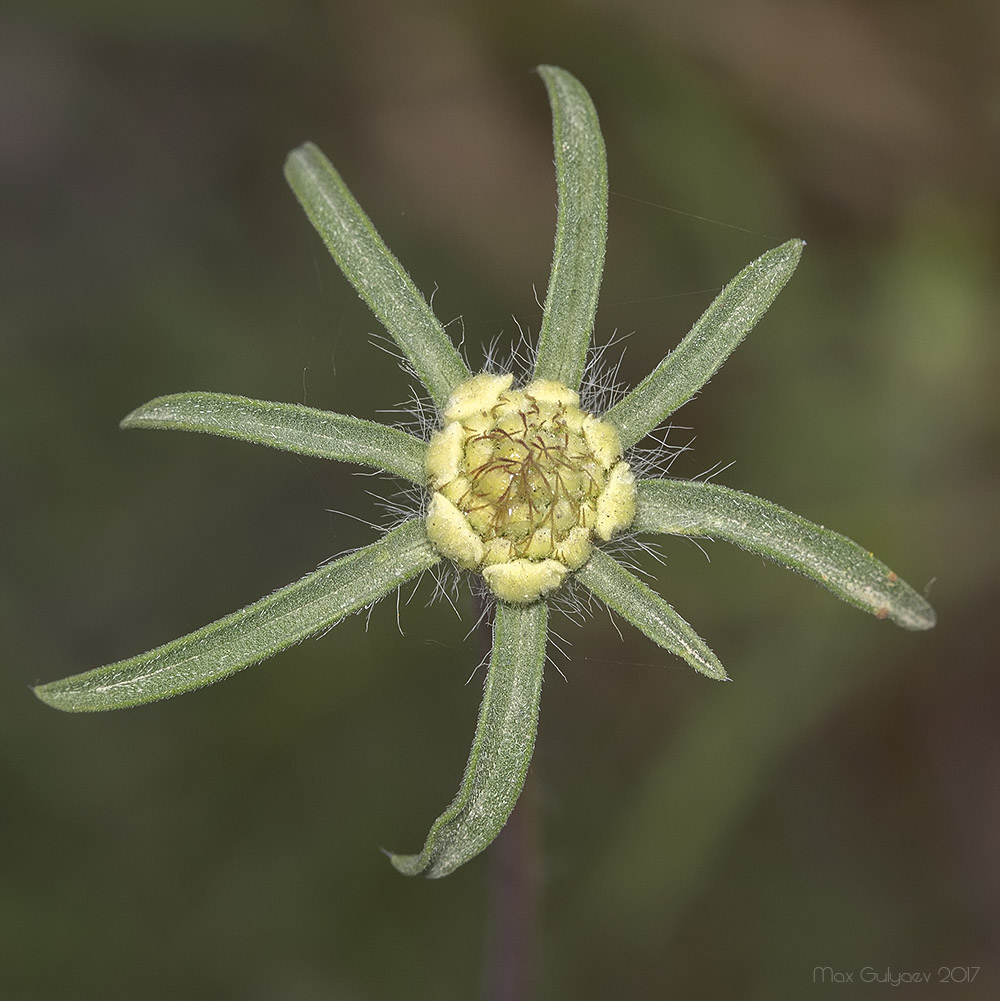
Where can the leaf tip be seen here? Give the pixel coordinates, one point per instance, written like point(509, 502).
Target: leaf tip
point(52, 696)
point(705, 662)
point(793, 250)
point(301, 161)
point(917, 617)
point(300, 151)
point(148, 411)
point(715, 671)
point(413, 865)
point(904, 606)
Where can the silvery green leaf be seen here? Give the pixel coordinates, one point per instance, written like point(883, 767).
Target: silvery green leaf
point(373, 270)
point(254, 633)
point(287, 426)
point(622, 591)
point(581, 230)
point(501, 749)
point(688, 507)
point(694, 361)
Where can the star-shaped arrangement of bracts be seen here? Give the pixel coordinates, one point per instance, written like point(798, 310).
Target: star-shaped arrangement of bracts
point(521, 485)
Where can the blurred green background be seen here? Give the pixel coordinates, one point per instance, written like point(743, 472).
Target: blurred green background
point(837, 805)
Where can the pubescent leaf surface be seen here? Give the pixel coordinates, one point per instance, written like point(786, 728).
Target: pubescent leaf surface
point(581, 231)
point(374, 271)
point(731, 316)
point(254, 633)
point(690, 507)
point(622, 591)
point(287, 426)
point(501, 749)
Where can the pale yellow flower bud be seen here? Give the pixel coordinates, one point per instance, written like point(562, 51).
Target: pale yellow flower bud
point(523, 479)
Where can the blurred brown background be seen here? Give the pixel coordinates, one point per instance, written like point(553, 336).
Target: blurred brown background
point(837, 805)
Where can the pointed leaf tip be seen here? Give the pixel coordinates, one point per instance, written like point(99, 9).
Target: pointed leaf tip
point(373, 270)
point(287, 426)
point(501, 750)
point(581, 231)
point(732, 315)
point(623, 592)
point(254, 633)
point(853, 574)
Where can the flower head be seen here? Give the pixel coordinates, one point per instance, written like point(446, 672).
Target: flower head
point(522, 481)
point(521, 485)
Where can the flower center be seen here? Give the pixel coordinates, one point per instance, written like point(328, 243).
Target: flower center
point(522, 479)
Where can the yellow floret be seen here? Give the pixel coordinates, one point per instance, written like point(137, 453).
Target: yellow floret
point(575, 548)
point(616, 505)
point(449, 530)
point(444, 455)
point(550, 391)
point(603, 440)
point(524, 581)
point(480, 393)
point(522, 480)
